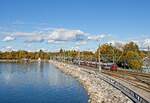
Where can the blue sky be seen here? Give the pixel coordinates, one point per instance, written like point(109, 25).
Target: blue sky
point(53, 24)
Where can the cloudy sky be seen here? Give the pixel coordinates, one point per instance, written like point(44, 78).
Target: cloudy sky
point(72, 24)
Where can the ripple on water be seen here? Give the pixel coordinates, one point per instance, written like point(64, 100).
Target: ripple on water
point(38, 83)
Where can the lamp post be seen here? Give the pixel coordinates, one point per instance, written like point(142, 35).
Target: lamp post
point(64, 57)
point(113, 53)
point(79, 57)
point(99, 59)
point(148, 56)
point(78, 54)
point(149, 51)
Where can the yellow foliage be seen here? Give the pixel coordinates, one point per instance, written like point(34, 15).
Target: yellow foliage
point(135, 64)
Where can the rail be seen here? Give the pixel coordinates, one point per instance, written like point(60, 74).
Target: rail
point(128, 92)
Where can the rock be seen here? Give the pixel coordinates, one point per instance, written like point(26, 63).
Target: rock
point(98, 90)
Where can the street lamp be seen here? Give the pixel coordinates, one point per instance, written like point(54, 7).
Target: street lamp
point(113, 53)
point(79, 57)
point(99, 59)
point(148, 51)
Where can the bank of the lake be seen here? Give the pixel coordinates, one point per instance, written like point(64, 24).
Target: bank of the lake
point(98, 90)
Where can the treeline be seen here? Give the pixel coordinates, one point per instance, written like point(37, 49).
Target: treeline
point(21, 54)
point(128, 56)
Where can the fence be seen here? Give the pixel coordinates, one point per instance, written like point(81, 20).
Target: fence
point(128, 92)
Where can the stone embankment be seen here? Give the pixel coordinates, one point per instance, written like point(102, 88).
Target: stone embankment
point(98, 90)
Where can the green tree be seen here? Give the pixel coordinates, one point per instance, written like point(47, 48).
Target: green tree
point(132, 56)
point(108, 53)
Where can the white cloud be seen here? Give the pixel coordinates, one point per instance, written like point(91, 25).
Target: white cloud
point(81, 43)
point(30, 36)
point(143, 43)
point(55, 42)
point(35, 38)
point(8, 38)
point(66, 35)
point(75, 48)
point(97, 37)
point(22, 34)
point(146, 42)
point(51, 41)
point(8, 48)
point(51, 36)
point(57, 36)
point(118, 44)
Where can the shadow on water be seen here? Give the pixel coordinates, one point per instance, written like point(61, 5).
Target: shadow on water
point(38, 83)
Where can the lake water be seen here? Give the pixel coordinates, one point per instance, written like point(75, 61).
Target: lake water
point(38, 83)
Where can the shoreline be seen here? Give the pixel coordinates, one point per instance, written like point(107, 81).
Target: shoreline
point(20, 60)
point(98, 90)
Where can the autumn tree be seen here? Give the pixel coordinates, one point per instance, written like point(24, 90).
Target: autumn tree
point(87, 55)
point(132, 56)
point(109, 53)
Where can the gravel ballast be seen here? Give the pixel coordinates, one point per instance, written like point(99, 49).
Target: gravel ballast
point(98, 90)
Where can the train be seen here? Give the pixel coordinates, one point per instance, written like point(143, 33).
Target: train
point(106, 66)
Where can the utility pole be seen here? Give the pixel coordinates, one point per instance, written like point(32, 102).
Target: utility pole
point(79, 57)
point(148, 52)
point(99, 59)
point(64, 55)
point(148, 56)
point(113, 56)
point(113, 53)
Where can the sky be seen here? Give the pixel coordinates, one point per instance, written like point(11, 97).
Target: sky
point(72, 24)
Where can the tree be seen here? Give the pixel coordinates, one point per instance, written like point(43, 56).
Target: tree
point(131, 46)
point(109, 53)
point(22, 54)
point(134, 60)
point(132, 56)
point(61, 50)
point(87, 55)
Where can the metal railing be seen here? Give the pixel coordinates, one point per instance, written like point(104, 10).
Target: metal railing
point(128, 92)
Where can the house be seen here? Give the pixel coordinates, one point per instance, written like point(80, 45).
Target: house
point(146, 62)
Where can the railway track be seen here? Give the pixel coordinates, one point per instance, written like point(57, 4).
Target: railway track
point(140, 94)
point(141, 82)
point(143, 77)
point(135, 73)
point(136, 79)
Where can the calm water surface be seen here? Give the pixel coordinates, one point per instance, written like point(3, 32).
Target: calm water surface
point(38, 83)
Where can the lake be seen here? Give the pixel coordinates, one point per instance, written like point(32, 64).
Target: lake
point(38, 83)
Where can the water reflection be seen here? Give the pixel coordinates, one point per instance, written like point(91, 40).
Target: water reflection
point(38, 82)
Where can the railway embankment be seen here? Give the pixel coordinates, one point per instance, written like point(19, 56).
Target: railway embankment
point(98, 90)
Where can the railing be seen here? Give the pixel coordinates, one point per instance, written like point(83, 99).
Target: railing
point(128, 92)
